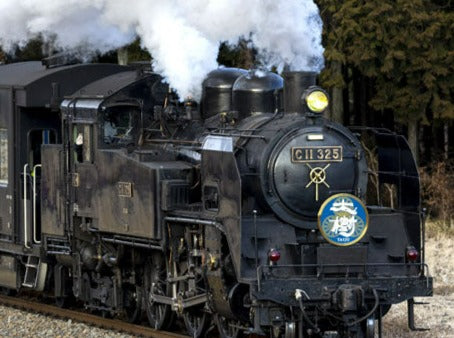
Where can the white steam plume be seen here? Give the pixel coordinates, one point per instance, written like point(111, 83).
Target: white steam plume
point(182, 35)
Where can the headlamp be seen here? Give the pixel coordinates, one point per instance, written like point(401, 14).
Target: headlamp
point(316, 100)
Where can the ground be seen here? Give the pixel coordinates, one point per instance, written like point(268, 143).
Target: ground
point(439, 314)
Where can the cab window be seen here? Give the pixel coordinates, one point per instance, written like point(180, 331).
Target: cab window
point(119, 126)
point(83, 143)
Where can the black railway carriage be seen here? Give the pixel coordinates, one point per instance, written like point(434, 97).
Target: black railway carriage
point(249, 207)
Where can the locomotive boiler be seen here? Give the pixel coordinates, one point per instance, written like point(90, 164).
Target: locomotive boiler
point(248, 208)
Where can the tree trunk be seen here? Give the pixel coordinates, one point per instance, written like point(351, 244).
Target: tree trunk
point(337, 107)
point(359, 98)
point(422, 145)
point(413, 138)
point(363, 99)
point(247, 57)
point(347, 95)
point(446, 141)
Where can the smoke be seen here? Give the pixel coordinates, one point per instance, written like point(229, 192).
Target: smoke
point(182, 35)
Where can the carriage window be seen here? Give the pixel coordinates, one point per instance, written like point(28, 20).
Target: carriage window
point(3, 156)
point(119, 126)
point(83, 143)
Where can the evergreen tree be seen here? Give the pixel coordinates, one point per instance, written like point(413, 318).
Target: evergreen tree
point(332, 76)
point(32, 50)
point(240, 55)
point(405, 46)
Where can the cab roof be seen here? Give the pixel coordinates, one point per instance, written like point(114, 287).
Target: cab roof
point(37, 85)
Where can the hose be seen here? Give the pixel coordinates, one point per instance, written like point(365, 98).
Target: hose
point(377, 301)
point(358, 320)
point(299, 297)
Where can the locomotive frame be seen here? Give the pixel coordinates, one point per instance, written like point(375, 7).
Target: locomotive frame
point(129, 201)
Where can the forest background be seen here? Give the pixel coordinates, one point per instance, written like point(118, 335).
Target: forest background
point(388, 63)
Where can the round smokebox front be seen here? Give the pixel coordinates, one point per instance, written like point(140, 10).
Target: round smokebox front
point(307, 166)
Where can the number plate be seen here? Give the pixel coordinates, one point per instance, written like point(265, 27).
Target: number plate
point(317, 154)
point(124, 189)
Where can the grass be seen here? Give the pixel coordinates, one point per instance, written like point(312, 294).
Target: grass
point(439, 228)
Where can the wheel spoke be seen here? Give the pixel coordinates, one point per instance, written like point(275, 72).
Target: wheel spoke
point(133, 302)
point(197, 322)
point(159, 315)
point(227, 328)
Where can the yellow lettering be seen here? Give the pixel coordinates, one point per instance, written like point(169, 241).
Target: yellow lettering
point(328, 154)
point(298, 154)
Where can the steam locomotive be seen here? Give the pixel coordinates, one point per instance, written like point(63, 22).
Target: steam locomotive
point(248, 208)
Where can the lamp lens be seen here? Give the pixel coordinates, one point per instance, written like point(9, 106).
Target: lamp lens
point(317, 101)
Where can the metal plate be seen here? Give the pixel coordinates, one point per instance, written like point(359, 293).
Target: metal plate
point(317, 154)
point(218, 143)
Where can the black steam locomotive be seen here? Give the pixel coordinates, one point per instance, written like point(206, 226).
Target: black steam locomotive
point(248, 208)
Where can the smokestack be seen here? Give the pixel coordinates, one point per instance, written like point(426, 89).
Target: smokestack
point(295, 83)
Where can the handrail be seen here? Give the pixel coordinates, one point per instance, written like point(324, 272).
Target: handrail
point(35, 239)
point(25, 208)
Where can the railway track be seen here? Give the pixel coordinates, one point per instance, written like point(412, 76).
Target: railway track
point(86, 318)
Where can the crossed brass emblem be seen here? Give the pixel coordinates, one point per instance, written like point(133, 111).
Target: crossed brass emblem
point(317, 176)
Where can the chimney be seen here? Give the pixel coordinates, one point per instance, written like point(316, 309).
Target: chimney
point(295, 83)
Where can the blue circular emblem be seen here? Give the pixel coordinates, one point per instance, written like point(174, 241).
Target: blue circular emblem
point(343, 219)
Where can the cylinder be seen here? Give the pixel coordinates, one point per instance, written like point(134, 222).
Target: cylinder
point(217, 90)
point(295, 83)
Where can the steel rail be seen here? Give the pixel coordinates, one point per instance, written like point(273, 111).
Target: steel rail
point(86, 318)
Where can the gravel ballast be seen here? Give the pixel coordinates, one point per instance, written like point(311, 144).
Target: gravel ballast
point(17, 323)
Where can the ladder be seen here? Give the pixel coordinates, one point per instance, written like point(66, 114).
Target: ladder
point(32, 272)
